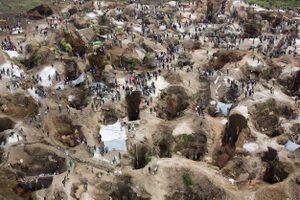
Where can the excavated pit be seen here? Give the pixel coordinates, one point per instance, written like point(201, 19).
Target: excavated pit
point(296, 133)
point(291, 84)
point(163, 140)
point(25, 189)
point(236, 131)
point(39, 12)
point(125, 192)
point(71, 70)
point(67, 133)
point(229, 94)
point(133, 101)
point(6, 124)
point(73, 37)
point(266, 116)
point(204, 93)
point(37, 160)
point(18, 106)
point(172, 102)
point(8, 180)
point(214, 8)
point(121, 189)
point(79, 97)
point(191, 146)
point(97, 62)
point(108, 115)
point(222, 57)
point(37, 56)
point(276, 171)
point(251, 29)
point(202, 188)
point(141, 155)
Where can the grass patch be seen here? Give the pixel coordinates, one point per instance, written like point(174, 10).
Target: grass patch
point(167, 197)
point(148, 156)
point(7, 6)
point(285, 4)
point(187, 180)
point(66, 47)
point(186, 138)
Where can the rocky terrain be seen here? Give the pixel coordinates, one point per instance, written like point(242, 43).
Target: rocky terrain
point(140, 100)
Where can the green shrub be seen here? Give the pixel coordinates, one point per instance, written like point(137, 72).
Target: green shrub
point(167, 197)
point(131, 63)
point(148, 156)
point(187, 180)
point(37, 59)
point(186, 138)
point(66, 47)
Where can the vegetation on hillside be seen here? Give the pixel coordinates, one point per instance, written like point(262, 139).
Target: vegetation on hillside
point(286, 4)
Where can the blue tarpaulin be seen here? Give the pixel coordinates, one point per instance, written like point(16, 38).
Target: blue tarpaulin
point(291, 146)
point(79, 80)
point(224, 108)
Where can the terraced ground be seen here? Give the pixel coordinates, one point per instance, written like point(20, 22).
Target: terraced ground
point(287, 4)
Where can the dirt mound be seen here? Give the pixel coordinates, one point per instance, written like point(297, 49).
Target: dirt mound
point(79, 22)
point(196, 188)
point(222, 57)
point(133, 101)
point(236, 131)
point(67, 133)
point(130, 58)
point(192, 146)
point(266, 116)
point(172, 78)
point(266, 193)
point(6, 123)
point(37, 160)
point(172, 102)
point(40, 12)
point(18, 105)
point(184, 59)
point(271, 70)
